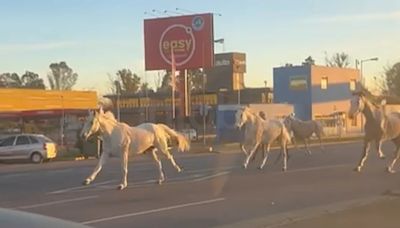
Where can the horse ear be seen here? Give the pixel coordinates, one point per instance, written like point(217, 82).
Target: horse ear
point(383, 102)
point(101, 111)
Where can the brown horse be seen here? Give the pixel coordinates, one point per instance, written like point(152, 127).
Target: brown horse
point(379, 127)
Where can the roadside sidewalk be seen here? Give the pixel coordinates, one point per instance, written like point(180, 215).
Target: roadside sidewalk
point(199, 147)
point(380, 211)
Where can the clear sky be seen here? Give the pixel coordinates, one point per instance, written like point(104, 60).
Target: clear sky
point(98, 37)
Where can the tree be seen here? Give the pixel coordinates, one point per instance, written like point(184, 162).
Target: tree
point(195, 80)
point(341, 60)
point(28, 80)
point(61, 76)
point(392, 76)
point(32, 80)
point(309, 61)
point(165, 83)
point(10, 80)
point(130, 82)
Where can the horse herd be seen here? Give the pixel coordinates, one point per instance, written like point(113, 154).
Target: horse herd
point(259, 131)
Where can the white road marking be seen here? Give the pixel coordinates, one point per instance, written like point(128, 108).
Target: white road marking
point(80, 187)
point(210, 176)
point(153, 211)
point(318, 168)
point(56, 202)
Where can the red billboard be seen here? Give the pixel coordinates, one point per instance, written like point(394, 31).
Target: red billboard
point(190, 37)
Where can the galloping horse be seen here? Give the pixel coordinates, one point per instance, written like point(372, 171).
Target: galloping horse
point(123, 138)
point(259, 131)
point(378, 127)
point(304, 130)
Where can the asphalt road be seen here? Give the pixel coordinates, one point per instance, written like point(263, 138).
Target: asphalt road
point(213, 189)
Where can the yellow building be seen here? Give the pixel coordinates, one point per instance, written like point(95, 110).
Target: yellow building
point(20, 100)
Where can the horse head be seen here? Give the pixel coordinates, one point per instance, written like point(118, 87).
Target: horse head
point(357, 104)
point(92, 124)
point(288, 120)
point(241, 117)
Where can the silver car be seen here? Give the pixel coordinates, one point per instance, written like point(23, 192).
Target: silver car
point(34, 147)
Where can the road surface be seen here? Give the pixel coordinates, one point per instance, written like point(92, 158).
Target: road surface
point(213, 189)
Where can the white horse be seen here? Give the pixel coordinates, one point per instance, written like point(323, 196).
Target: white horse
point(379, 127)
point(304, 130)
point(121, 137)
point(259, 131)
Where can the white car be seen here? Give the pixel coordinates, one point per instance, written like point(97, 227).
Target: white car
point(191, 134)
point(34, 147)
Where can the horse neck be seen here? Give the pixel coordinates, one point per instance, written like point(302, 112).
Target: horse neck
point(107, 125)
point(252, 121)
point(369, 111)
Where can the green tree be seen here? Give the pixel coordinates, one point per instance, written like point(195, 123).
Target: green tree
point(28, 80)
point(61, 77)
point(10, 80)
point(341, 60)
point(130, 82)
point(309, 61)
point(392, 76)
point(165, 83)
point(32, 80)
point(196, 80)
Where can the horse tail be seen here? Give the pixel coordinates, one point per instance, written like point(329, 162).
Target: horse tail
point(183, 142)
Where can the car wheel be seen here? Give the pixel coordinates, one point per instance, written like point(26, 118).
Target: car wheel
point(36, 158)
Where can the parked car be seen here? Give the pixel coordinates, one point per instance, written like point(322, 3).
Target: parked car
point(34, 147)
point(190, 133)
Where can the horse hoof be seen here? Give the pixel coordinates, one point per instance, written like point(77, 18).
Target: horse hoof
point(284, 169)
point(382, 157)
point(121, 187)
point(357, 169)
point(160, 182)
point(86, 182)
point(244, 166)
point(390, 170)
point(260, 167)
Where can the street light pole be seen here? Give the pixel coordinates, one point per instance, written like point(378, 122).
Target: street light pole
point(361, 68)
point(63, 120)
point(204, 109)
point(118, 91)
point(363, 82)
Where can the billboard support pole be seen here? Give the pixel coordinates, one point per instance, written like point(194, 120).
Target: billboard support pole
point(173, 85)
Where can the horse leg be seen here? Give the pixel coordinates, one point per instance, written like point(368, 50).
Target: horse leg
point(378, 144)
point(293, 140)
point(160, 169)
point(364, 156)
point(258, 148)
point(285, 157)
point(243, 149)
point(390, 167)
point(246, 163)
point(320, 143)
point(266, 153)
point(306, 146)
point(124, 168)
point(164, 148)
point(97, 169)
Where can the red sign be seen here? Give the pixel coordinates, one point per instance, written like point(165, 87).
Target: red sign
point(191, 38)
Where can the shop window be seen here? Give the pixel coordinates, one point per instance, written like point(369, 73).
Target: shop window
point(324, 83)
point(352, 85)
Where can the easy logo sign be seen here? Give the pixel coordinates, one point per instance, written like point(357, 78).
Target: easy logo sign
point(180, 39)
point(190, 37)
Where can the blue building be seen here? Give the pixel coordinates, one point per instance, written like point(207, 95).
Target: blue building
point(316, 92)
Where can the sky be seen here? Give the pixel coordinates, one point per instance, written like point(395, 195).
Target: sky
point(97, 37)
